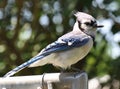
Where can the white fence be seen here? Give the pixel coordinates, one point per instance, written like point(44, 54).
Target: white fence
point(46, 81)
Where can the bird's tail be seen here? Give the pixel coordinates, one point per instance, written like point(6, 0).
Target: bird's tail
point(22, 66)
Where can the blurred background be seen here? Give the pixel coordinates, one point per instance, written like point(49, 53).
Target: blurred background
point(27, 26)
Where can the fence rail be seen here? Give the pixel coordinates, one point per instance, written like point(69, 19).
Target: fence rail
point(46, 81)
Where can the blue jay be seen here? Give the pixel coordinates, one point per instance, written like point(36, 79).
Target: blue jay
point(69, 48)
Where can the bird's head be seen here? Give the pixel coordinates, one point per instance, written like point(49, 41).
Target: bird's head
point(86, 23)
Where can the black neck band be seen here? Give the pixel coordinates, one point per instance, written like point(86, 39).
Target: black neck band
point(79, 24)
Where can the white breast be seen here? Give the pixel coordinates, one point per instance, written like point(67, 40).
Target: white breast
point(67, 58)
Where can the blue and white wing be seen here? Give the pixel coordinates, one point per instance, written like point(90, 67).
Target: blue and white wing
point(65, 44)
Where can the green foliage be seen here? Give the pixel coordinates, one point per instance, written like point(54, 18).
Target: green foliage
point(27, 26)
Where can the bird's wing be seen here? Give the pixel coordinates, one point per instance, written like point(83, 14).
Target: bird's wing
point(65, 44)
point(60, 45)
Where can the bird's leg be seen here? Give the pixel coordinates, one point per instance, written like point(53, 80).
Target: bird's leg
point(77, 70)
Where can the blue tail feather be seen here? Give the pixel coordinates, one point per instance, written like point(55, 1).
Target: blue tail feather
point(22, 66)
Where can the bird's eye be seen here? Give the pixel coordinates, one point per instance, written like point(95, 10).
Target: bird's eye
point(87, 23)
point(92, 23)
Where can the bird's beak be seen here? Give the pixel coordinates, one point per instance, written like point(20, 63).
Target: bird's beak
point(98, 26)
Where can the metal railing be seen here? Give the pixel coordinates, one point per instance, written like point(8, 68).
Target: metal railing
point(46, 81)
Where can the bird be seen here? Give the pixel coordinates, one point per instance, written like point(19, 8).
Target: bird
point(67, 49)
